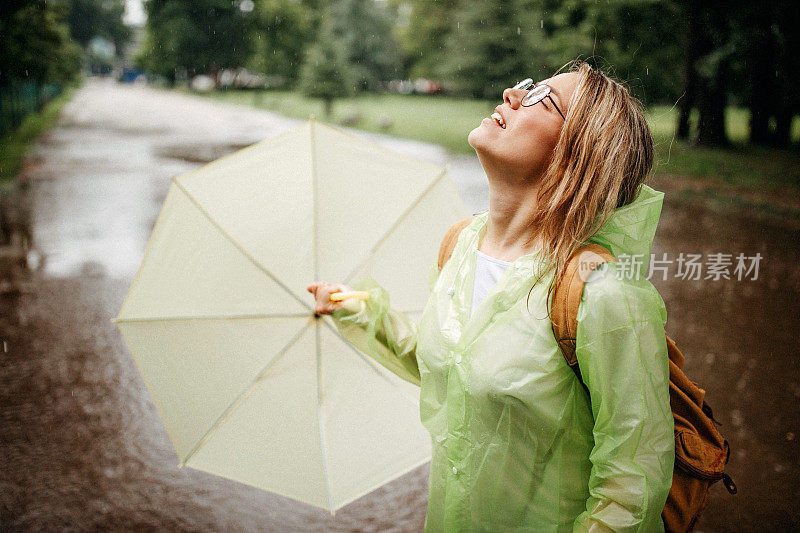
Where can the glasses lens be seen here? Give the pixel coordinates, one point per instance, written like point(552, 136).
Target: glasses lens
point(524, 84)
point(535, 95)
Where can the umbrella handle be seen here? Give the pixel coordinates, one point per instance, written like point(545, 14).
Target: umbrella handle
point(344, 295)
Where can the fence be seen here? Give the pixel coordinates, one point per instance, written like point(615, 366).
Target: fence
point(19, 100)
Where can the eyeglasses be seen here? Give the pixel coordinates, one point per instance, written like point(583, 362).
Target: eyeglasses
point(537, 93)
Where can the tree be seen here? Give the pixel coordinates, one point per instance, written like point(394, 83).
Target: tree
point(202, 36)
point(35, 49)
point(625, 38)
point(768, 37)
point(326, 72)
point(35, 44)
point(693, 44)
point(485, 51)
point(102, 18)
point(426, 25)
point(279, 30)
point(787, 29)
point(364, 29)
point(743, 52)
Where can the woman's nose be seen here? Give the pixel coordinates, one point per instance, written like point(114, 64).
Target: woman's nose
point(513, 97)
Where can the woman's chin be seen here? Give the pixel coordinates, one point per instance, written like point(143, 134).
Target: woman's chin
point(477, 136)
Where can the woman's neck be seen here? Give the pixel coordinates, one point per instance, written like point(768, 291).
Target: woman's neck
point(508, 234)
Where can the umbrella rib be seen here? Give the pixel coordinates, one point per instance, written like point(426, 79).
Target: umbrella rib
point(372, 364)
point(209, 317)
point(321, 420)
point(320, 414)
point(239, 399)
point(239, 246)
point(314, 199)
point(386, 235)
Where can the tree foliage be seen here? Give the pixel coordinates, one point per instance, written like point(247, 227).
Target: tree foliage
point(488, 50)
point(103, 18)
point(364, 28)
point(279, 31)
point(698, 55)
point(424, 26)
point(35, 44)
point(326, 73)
point(202, 36)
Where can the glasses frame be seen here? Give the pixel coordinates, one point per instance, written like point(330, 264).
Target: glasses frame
point(528, 83)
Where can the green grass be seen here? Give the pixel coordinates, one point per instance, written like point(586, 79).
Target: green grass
point(14, 145)
point(441, 120)
point(447, 121)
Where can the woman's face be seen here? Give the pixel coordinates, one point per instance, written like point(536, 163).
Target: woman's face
point(525, 146)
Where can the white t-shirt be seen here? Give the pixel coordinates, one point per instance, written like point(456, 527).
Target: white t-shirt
point(487, 271)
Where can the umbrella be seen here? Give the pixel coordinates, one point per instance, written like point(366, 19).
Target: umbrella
point(250, 384)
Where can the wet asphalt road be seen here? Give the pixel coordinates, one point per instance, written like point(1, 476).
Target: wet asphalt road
point(82, 447)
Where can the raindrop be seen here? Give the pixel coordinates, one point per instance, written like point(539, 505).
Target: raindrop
point(541, 23)
point(519, 30)
point(647, 69)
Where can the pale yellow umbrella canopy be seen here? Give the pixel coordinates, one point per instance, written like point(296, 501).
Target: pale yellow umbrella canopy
point(249, 384)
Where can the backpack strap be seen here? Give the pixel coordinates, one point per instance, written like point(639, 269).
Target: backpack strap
point(567, 299)
point(451, 238)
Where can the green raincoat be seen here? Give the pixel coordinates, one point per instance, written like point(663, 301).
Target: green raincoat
point(517, 444)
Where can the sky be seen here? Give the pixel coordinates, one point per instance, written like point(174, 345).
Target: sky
point(134, 13)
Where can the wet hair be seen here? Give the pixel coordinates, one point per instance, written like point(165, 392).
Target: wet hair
point(603, 154)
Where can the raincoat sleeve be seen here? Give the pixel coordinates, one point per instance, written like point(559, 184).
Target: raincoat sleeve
point(383, 333)
point(622, 354)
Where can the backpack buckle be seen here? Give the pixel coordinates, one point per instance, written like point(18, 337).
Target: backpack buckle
point(729, 484)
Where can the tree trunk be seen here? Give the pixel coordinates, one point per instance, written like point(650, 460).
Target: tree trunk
point(787, 49)
point(712, 102)
point(783, 126)
point(690, 74)
point(762, 77)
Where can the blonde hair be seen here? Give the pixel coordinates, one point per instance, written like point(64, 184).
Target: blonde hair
point(603, 154)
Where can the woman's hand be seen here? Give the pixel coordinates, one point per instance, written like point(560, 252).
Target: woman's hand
point(322, 292)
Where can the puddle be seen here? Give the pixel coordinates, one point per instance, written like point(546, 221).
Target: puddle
point(198, 152)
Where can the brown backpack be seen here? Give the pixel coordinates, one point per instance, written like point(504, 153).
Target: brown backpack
point(701, 452)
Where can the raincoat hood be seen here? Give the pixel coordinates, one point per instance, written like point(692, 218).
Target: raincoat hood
point(628, 234)
point(630, 229)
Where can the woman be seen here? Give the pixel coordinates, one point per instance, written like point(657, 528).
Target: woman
point(518, 445)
